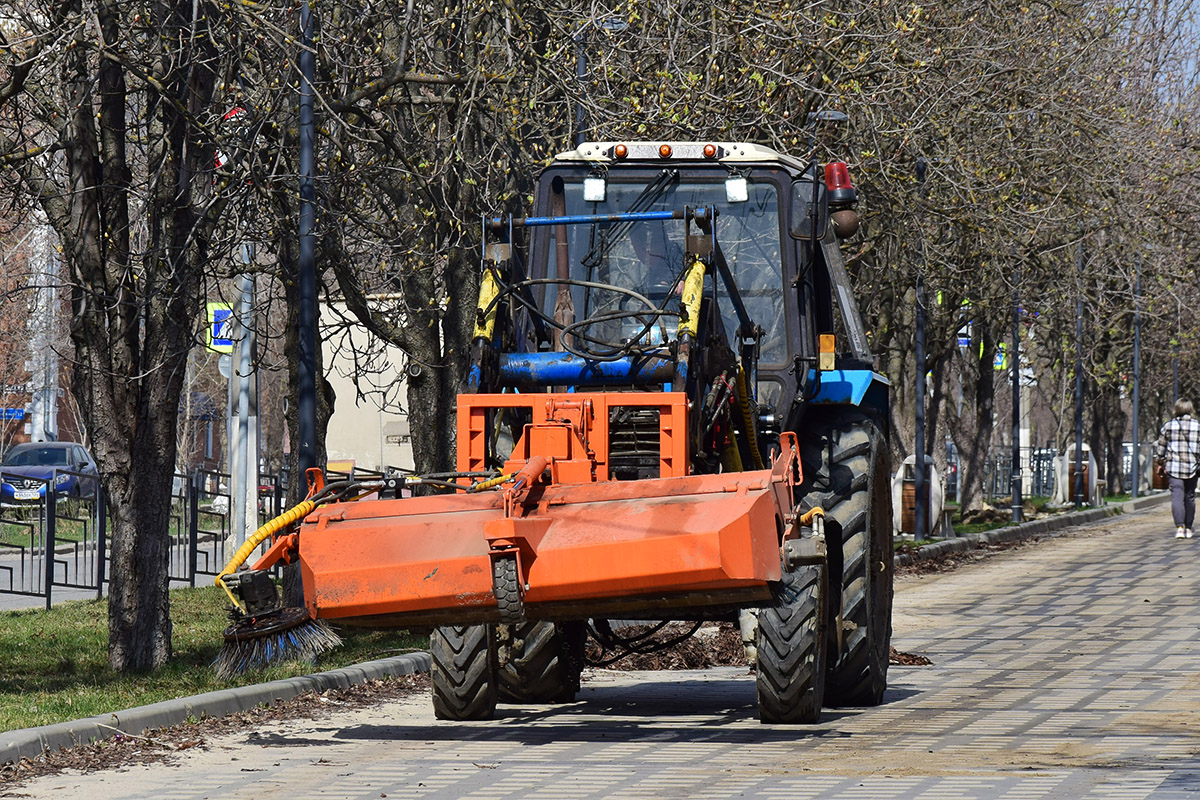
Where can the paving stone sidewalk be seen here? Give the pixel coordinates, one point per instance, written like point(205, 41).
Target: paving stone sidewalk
point(32, 741)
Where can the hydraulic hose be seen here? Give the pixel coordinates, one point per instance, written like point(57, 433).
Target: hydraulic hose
point(748, 418)
point(491, 482)
point(282, 522)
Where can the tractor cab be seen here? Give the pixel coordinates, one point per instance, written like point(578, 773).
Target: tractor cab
point(614, 234)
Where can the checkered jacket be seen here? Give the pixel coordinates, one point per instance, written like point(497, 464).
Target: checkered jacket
point(1179, 446)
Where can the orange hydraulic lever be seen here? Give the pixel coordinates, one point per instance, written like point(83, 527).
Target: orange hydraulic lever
point(525, 478)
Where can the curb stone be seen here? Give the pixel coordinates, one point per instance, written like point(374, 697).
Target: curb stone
point(1027, 530)
point(32, 742)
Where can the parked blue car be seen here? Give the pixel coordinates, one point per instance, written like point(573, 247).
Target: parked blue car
point(27, 469)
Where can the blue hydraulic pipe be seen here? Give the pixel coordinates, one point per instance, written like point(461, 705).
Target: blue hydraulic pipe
point(565, 369)
point(591, 219)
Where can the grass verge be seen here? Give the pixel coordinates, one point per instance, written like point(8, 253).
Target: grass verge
point(908, 545)
point(54, 664)
point(22, 526)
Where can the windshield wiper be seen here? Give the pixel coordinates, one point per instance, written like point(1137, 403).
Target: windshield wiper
point(609, 237)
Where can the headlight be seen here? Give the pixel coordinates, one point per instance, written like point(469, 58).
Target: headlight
point(60, 479)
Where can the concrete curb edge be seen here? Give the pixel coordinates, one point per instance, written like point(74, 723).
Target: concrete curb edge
point(32, 742)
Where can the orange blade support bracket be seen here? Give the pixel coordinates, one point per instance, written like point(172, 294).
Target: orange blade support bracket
point(518, 533)
point(786, 475)
point(284, 549)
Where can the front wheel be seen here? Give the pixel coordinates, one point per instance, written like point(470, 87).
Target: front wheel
point(790, 643)
point(847, 473)
point(463, 672)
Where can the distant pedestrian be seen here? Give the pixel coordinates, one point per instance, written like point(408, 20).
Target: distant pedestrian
point(1178, 449)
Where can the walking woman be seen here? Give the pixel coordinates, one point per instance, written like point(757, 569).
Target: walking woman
point(1179, 451)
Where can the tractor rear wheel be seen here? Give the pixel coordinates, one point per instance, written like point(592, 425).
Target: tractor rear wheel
point(540, 662)
point(790, 667)
point(846, 472)
point(463, 672)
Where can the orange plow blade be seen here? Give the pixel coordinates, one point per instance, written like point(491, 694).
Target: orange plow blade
point(583, 549)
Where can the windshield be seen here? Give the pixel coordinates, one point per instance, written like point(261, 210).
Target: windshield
point(36, 457)
point(646, 258)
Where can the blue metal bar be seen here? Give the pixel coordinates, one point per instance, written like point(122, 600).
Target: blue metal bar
point(48, 533)
point(593, 219)
point(100, 508)
point(564, 369)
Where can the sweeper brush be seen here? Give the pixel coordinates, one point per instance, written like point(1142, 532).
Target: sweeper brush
point(263, 632)
point(280, 635)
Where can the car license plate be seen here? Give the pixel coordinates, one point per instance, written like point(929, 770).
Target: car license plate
point(26, 494)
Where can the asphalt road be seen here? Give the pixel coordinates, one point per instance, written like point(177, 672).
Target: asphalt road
point(1065, 670)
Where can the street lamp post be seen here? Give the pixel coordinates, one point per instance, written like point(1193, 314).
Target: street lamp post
point(1137, 375)
point(920, 483)
point(1016, 396)
point(1079, 483)
point(1175, 352)
point(610, 24)
point(306, 423)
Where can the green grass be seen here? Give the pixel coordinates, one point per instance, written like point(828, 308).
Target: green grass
point(1118, 498)
point(908, 545)
point(54, 664)
point(979, 527)
point(18, 522)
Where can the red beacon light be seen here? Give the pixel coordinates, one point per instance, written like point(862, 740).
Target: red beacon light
point(837, 181)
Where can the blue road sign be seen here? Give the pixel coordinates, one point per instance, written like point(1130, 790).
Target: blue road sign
point(220, 327)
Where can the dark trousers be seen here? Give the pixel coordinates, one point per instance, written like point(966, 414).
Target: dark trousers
point(1183, 500)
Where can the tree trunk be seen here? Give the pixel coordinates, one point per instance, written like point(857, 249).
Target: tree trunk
point(974, 444)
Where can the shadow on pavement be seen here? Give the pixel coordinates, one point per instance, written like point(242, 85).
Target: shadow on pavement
point(711, 710)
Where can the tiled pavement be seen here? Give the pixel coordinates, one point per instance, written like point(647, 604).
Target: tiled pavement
point(1068, 670)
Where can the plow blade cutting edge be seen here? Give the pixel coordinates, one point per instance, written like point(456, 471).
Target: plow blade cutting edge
point(579, 550)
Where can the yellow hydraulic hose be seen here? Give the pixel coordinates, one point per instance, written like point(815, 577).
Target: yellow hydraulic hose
point(282, 522)
point(492, 482)
point(808, 516)
point(748, 418)
point(693, 293)
point(485, 315)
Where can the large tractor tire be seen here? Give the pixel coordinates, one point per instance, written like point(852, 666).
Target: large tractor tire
point(540, 662)
point(790, 666)
point(846, 472)
point(463, 672)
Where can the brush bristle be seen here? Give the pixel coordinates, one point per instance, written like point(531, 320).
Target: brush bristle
point(305, 641)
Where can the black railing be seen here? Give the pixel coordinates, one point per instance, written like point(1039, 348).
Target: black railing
point(52, 540)
point(1038, 476)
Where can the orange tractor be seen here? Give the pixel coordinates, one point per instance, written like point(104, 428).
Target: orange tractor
point(659, 424)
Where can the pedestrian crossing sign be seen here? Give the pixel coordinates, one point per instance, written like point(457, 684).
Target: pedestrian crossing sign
point(220, 328)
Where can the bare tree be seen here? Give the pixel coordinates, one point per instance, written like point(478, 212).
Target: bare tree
point(107, 106)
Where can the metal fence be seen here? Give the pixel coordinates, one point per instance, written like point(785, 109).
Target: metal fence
point(50, 538)
point(59, 541)
point(1037, 479)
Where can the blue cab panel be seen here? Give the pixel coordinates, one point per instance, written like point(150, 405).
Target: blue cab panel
point(850, 387)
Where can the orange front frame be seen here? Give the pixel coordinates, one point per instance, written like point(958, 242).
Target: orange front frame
point(586, 545)
point(673, 431)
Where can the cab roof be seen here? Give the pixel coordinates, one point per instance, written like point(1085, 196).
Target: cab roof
point(642, 152)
